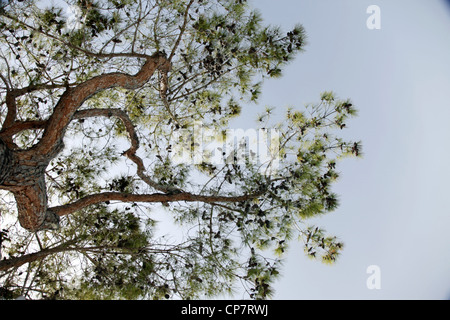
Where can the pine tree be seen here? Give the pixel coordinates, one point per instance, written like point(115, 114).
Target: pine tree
point(92, 116)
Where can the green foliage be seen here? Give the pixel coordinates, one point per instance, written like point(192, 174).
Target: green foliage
point(221, 53)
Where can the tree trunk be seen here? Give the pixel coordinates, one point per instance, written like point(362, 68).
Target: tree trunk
point(32, 207)
point(5, 161)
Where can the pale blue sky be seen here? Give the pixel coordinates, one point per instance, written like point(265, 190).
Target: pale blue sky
point(394, 209)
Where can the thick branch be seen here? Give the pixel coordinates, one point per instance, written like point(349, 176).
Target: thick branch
point(20, 126)
point(32, 207)
point(147, 198)
point(73, 98)
point(5, 161)
point(12, 110)
point(19, 261)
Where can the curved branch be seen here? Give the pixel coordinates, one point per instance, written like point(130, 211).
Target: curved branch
point(134, 140)
point(73, 98)
point(118, 113)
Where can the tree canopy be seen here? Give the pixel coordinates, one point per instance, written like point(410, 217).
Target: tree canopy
point(100, 101)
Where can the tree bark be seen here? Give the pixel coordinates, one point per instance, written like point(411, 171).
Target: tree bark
point(5, 161)
point(25, 179)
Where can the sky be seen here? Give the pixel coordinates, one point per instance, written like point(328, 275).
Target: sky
point(394, 211)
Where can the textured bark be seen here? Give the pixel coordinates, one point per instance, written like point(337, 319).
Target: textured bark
point(32, 204)
point(5, 161)
point(25, 179)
